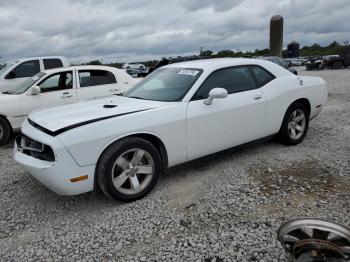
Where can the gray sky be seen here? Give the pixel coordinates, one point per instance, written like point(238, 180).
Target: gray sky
point(127, 30)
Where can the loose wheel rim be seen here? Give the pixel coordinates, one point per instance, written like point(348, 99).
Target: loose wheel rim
point(132, 172)
point(304, 232)
point(296, 124)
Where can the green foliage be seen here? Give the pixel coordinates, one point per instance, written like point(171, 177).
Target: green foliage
point(94, 62)
point(333, 48)
point(116, 65)
point(206, 52)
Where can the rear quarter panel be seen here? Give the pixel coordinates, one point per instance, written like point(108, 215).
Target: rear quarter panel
point(283, 91)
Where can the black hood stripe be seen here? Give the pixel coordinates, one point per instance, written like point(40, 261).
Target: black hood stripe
point(67, 128)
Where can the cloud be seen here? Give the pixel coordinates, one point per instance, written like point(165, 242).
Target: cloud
point(127, 30)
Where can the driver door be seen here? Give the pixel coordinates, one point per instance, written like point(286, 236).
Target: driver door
point(57, 89)
point(227, 122)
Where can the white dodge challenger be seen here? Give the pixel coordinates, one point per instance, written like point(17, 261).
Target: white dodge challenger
point(120, 145)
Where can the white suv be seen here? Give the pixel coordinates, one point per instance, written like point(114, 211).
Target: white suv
point(134, 66)
point(20, 70)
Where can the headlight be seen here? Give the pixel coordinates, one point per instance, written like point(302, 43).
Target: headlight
point(34, 148)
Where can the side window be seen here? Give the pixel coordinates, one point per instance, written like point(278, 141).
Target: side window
point(26, 69)
point(52, 63)
point(262, 76)
point(95, 78)
point(57, 82)
point(233, 79)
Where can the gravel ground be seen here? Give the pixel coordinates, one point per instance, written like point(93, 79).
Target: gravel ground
point(226, 208)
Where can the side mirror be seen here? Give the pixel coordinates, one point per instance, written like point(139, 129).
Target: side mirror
point(216, 93)
point(35, 90)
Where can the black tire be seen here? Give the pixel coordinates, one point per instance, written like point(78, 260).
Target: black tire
point(105, 170)
point(338, 65)
point(284, 134)
point(5, 131)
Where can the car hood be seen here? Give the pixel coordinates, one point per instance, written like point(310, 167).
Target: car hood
point(8, 98)
point(65, 117)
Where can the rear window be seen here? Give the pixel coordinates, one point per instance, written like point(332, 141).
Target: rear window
point(95, 78)
point(25, 69)
point(52, 63)
point(262, 76)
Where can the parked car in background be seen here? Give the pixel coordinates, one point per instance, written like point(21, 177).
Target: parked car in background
point(57, 87)
point(180, 112)
point(20, 70)
point(315, 62)
point(296, 61)
point(134, 66)
point(279, 61)
point(136, 73)
point(337, 61)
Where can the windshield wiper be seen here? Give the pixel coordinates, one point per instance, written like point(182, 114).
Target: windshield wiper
point(7, 92)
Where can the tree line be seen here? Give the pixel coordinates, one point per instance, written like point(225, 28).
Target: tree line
point(333, 48)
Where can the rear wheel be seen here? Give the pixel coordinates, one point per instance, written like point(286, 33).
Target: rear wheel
point(5, 131)
point(295, 124)
point(338, 65)
point(129, 169)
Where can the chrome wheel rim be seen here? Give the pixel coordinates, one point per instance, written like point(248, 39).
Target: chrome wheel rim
point(132, 172)
point(296, 124)
point(324, 232)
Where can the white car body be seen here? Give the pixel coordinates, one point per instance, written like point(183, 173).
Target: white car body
point(33, 66)
point(134, 66)
point(78, 134)
point(16, 107)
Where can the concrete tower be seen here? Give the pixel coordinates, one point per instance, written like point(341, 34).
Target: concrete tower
point(276, 35)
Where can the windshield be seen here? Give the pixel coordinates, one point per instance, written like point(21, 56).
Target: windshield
point(165, 84)
point(23, 87)
point(7, 65)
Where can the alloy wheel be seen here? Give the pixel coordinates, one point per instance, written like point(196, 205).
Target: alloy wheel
point(132, 172)
point(296, 124)
point(322, 236)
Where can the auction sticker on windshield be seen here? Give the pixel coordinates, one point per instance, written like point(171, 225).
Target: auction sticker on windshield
point(188, 72)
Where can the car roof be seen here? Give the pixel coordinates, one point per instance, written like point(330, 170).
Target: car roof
point(217, 63)
point(39, 57)
point(80, 67)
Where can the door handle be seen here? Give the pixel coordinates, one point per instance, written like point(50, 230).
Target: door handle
point(114, 89)
point(66, 95)
point(257, 97)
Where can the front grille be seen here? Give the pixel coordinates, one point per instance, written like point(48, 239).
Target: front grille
point(35, 149)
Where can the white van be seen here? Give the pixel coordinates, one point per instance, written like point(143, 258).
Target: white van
point(20, 70)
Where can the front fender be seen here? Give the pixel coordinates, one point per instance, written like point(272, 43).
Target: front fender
point(87, 143)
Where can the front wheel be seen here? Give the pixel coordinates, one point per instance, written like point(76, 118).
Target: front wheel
point(5, 131)
point(295, 124)
point(129, 169)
